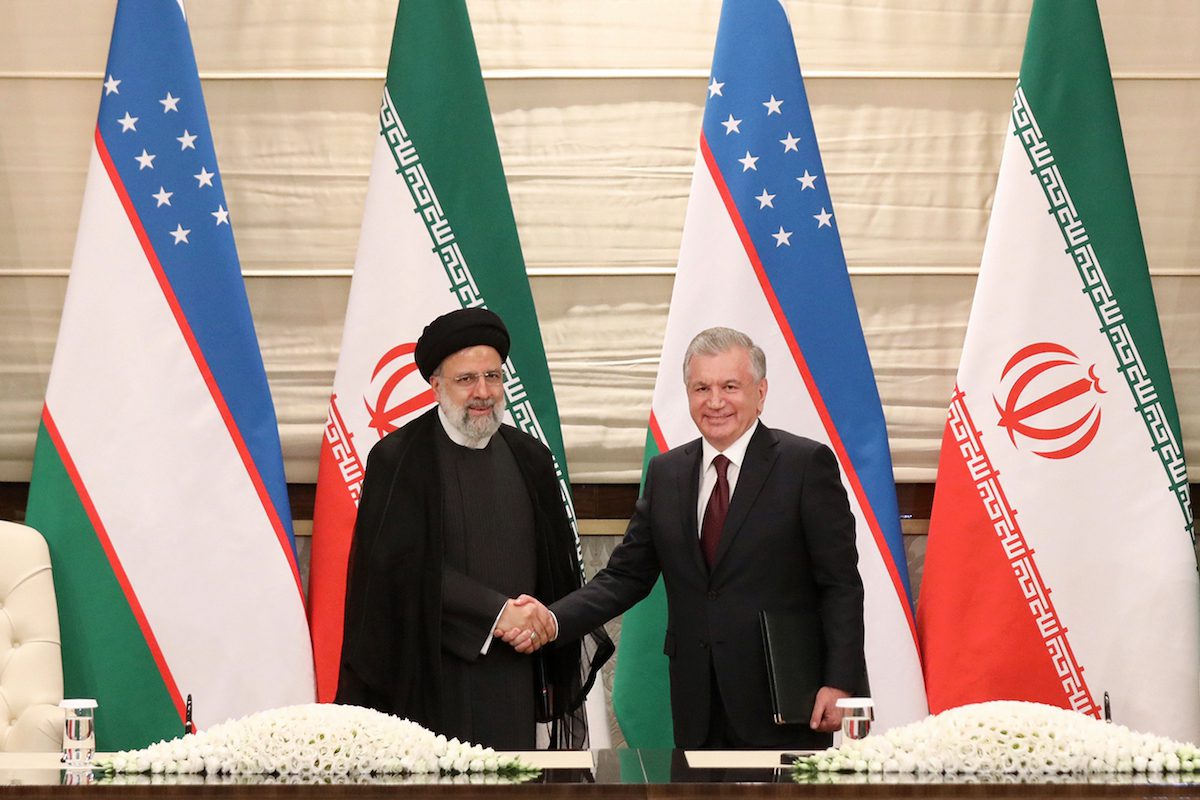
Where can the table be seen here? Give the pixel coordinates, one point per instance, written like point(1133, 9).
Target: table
point(622, 774)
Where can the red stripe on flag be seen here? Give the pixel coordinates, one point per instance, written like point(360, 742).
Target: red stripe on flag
point(814, 392)
point(657, 433)
point(334, 515)
point(201, 363)
point(114, 562)
point(981, 577)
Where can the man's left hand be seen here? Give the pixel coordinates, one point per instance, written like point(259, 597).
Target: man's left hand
point(826, 716)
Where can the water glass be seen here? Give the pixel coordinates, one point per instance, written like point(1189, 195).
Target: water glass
point(79, 732)
point(857, 715)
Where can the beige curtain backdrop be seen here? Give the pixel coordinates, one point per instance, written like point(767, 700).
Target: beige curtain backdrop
point(597, 108)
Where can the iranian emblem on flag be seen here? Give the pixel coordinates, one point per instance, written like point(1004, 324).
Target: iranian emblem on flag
point(1050, 400)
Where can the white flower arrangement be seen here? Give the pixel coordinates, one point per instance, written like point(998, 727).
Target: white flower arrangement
point(1006, 738)
point(315, 741)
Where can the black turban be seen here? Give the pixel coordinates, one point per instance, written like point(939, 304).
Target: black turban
point(449, 333)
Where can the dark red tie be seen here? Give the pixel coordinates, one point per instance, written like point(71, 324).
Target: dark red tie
point(715, 512)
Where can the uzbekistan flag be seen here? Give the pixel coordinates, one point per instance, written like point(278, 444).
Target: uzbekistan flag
point(1060, 565)
point(158, 478)
point(761, 253)
point(438, 234)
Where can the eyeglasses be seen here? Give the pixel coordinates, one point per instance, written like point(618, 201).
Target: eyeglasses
point(492, 377)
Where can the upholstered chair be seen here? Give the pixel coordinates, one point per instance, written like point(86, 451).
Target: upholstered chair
point(31, 682)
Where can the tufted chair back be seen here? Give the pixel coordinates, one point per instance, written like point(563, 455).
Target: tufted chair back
point(31, 682)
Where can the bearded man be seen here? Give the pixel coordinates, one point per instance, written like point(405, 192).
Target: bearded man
point(461, 515)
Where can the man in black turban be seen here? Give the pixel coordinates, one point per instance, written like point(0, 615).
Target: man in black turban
point(461, 515)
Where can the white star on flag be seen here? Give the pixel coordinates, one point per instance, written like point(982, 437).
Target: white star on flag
point(807, 181)
point(222, 215)
point(764, 200)
point(181, 233)
point(748, 162)
point(782, 237)
point(128, 123)
point(170, 103)
point(731, 125)
point(772, 106)
point(163, 197)
point(715, 87)
point(145, 160)
point(789, 144)
point(110, 86)
point(823, 219)
point(204, 177)
point(187, 141)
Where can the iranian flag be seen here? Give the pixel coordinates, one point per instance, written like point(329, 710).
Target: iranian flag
point(438, 234)
point(1060, 566)
point(157, 476)
point(761, 253)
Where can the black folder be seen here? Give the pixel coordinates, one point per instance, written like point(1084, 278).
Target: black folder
point(793, 665)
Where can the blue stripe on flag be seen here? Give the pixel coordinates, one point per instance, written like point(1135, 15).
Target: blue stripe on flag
point(155, 126)
point(759, 129)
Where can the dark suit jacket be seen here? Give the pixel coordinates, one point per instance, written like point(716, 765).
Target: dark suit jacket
point(788, 545)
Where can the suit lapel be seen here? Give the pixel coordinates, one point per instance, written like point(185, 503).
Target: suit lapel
point(760, 457)
point(689, 498)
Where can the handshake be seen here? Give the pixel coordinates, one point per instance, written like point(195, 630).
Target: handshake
point(526, 624)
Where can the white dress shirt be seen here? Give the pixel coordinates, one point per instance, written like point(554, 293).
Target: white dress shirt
point(736, 453)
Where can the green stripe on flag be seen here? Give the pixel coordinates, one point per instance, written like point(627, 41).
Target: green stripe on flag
point(104, 653)
point(641, 694)
point(641, 686)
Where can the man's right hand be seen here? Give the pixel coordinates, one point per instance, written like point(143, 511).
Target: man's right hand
point(526, 624)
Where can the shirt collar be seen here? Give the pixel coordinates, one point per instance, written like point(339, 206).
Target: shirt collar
point(736, 452)
point(456, 435)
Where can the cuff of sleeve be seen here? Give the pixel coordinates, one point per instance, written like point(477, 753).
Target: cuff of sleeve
point(553, 616)
point(487, 643)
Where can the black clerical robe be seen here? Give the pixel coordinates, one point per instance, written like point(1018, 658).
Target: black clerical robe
point(488, 556)
point(393, 650)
